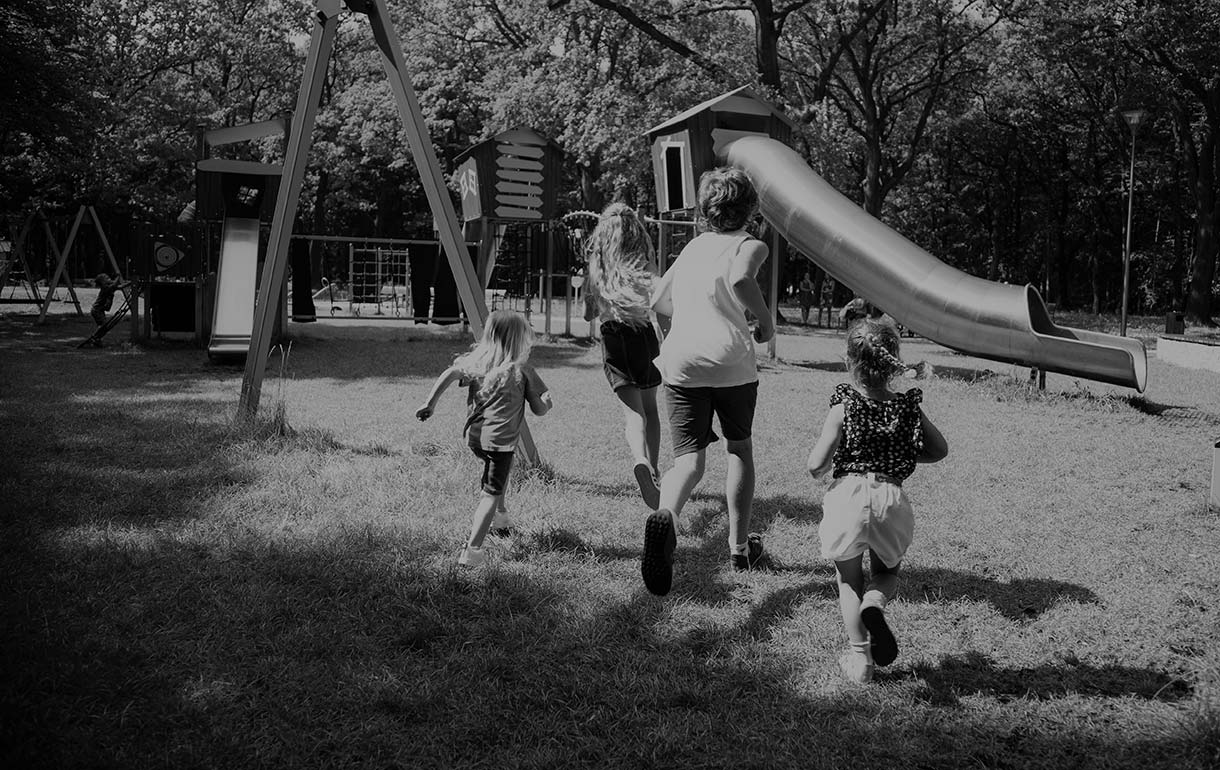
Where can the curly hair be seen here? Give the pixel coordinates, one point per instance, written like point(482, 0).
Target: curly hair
point(727, 199)
point(872, 352)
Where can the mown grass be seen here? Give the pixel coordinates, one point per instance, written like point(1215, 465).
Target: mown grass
point(180, 593)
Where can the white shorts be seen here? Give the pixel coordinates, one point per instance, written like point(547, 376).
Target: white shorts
point(860, 512)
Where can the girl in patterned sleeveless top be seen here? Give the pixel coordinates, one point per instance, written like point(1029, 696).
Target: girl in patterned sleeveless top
point(871, 440)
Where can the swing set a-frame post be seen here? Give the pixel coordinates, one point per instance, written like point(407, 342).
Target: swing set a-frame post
point(299, 139)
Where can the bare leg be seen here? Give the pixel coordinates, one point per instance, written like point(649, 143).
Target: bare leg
point(652, 426)
point(739, 489)
point(636, 426)
point(481, 521)
point(850, 574)
point(881, 588)
point(680, 480)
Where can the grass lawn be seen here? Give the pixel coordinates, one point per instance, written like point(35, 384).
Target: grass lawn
point(178, 593)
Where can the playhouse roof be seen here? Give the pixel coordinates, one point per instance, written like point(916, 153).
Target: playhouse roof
point(721, 102)
point(511, 136)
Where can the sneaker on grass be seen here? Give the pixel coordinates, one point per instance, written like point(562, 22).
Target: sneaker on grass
point(650, 490)
point(753, 555)
point(502, 523)
point(657, 563)
point(885, 647)
point(473, 557)
point(856, 667)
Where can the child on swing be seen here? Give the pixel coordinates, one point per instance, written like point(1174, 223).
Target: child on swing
point(871, 440)
point(499, 385)
point(622, 269)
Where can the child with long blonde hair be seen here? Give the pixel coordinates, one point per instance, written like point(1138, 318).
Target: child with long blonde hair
point(500, 383)
point(871, 440)
point(622, 268)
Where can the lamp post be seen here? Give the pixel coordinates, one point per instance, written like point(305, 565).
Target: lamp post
point(1134, 119)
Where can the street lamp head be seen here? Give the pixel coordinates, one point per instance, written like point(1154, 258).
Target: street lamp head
point(1134, 118)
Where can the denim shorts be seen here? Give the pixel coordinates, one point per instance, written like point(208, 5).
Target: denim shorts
point(691, 410)
point(627, 354)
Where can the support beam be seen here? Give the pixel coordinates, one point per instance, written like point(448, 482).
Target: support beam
point(275, 265)
point(61, 260)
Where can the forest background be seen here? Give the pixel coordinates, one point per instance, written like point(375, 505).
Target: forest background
point(990, 132)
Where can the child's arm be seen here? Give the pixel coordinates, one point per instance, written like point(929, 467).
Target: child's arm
point(447, 378)
point(662, 300)
point(741, 276)
point(935, 448)
point(536, 393)
point(541, 404)
point(821, 457)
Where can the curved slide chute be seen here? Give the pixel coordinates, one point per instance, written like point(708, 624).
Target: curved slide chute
point(1001, 322)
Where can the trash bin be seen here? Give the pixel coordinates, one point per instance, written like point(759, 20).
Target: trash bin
point(1175, 322)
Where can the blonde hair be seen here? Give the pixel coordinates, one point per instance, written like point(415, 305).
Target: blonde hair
point(506, 343)
point(621, 260)
point(872, 352)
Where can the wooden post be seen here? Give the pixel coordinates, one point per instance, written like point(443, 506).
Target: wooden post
point(550, 269)
point(61, 264)
point(774, 291)
point(299, 138)
point(297, 149)
point(1213, 500)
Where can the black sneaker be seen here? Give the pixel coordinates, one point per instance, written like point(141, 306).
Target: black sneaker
point(754, 553)
point(885, 647)
point(648, 485)
point(657, 563)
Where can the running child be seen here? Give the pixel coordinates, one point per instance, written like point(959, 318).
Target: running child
point(708, 299)
point(499, 384)
point(871, 440)
point(622, 269)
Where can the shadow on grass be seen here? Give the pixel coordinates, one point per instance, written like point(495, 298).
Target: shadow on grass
point(219, 646)
point(1019, 600)
point(387, 353)
point(976, 674)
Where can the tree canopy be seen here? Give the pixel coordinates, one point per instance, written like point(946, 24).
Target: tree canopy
point(988, 131)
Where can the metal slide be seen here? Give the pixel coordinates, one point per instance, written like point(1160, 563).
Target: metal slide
point(990, 320)
point(236, 278)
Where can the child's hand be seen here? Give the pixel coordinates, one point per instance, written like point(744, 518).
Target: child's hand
point(765, 330)
point(424, 412)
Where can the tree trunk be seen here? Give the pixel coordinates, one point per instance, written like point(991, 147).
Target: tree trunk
point(591, 196)
point(1207, 213)
point(766, 45)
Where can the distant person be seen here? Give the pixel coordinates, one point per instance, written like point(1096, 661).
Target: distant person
point(828, 301)
point(804, 295)
point(622, 269)
point(500, 383)
point(705, 303)
point(871, 441)
point(107, 286)
point(856, 310)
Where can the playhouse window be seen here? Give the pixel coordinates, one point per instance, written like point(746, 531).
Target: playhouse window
point(675, 187)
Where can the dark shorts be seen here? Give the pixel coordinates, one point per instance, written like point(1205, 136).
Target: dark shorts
point(496, 466)
point(627, 354)
point(691, 410)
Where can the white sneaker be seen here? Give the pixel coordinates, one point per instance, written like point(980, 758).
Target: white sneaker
point(473, 557)
point(501, 521)
point(856, 667)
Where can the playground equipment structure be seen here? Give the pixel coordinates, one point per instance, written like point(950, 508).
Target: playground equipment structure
point(321, 46)
point(508, 185)
point(990, 320)
point(236, 191)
